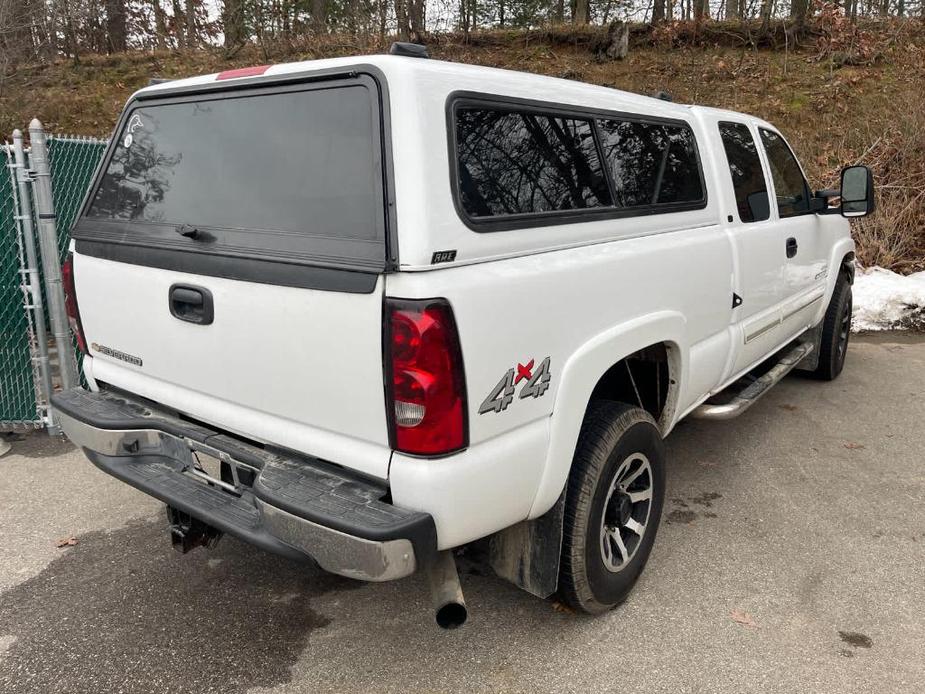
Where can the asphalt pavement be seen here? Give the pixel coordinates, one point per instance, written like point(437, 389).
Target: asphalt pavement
point(791, 558)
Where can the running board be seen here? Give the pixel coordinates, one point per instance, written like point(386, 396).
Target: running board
point(753, 392)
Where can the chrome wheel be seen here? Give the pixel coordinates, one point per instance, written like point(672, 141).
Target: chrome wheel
point(626, 511)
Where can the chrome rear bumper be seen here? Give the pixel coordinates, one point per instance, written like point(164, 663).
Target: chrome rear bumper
point(285, 503)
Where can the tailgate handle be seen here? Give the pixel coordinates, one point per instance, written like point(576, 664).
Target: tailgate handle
point(191, 304)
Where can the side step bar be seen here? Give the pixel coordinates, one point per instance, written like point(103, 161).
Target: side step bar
point(753, 392)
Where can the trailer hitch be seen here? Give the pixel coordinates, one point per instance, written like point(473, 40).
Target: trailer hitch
point(188, 533)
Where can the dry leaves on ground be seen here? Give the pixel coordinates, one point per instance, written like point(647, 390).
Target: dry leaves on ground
point(743, 618)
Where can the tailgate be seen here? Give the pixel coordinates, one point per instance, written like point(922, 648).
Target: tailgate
point(229, 264)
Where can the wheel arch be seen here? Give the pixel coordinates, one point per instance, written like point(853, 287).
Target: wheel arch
point(528, 553)
point(588, 367)
point(848, 266)
point(841, 260)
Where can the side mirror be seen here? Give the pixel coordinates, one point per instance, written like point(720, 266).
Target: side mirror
point(857, 191)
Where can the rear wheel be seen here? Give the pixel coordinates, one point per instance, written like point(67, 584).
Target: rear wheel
point(613, 506)
point(836, 332)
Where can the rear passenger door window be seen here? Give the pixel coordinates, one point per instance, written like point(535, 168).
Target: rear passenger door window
point(651, 163)
point(748, 182)
point(790, 187)
point(512, 162)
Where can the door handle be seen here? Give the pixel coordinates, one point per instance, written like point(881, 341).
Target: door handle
point(792, 247)
point(191, 304)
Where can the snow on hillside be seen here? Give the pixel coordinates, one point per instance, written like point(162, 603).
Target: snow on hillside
point(885, 300)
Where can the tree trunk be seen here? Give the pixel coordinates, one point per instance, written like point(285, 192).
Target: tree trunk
point(416, 19)
point(179, 22)
point(401, 19)
point(701, 9)
point(233, 23)
point(191, 35)
point(115, 26)
point(160, 25)
point(560, 11)
point(617, 43)
point(658, 11)
point(582, 12)
point(767, 9)
point(320, 16)
point(798, 9)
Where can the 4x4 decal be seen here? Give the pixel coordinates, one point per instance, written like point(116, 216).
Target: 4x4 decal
point(502, 395)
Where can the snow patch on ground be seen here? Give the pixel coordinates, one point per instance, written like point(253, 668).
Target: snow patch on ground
point(885, 300)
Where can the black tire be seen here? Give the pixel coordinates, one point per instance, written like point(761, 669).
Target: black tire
point(612, 436)
point(836, 332)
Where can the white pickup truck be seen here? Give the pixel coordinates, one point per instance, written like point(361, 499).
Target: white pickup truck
point(368, 310)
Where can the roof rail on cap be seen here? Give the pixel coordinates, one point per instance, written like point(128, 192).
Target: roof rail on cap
point(409, 50)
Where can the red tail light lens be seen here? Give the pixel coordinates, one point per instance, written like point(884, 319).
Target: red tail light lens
point(426, 392)
point(70, 302)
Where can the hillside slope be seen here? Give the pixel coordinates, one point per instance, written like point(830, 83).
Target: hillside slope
point(872, 112)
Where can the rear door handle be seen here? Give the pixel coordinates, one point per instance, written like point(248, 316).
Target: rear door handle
point(792, 247)
point(191, 304)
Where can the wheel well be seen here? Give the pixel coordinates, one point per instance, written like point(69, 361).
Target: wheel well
point(847, 266)
point(644, 378)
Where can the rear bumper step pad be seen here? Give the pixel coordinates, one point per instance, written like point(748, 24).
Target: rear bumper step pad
point(297, 505)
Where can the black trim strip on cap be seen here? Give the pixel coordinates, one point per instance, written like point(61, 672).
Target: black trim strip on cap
point(258, 270)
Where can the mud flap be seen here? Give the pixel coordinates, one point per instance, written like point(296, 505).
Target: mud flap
point(527, 554)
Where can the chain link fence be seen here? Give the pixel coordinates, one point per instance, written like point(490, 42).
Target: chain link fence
point(72, 163)
point(18, 398)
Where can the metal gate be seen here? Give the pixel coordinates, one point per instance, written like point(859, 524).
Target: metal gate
point(18, 397)
point(27, 355)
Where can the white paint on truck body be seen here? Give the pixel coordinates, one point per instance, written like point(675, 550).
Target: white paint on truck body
point(303, 368)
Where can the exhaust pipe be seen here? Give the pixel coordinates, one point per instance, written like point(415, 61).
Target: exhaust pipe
point(449, 604)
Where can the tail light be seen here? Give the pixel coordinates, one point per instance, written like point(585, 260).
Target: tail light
point(70, 302)
point(425, 381)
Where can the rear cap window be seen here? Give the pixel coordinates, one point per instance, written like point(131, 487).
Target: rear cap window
point(288, 174)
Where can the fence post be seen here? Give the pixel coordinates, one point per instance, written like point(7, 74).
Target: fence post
point(33, 288)
point(48, 241)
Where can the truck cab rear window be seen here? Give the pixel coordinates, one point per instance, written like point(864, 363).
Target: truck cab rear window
point(512, 162)
point(293, 174)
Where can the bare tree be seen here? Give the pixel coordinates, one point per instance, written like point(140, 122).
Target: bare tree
point(160, 25)
point(658, 11)
point(116, 35)
point(320, 15)
point(233, 20)
point(192, 36)
point(581, 13)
